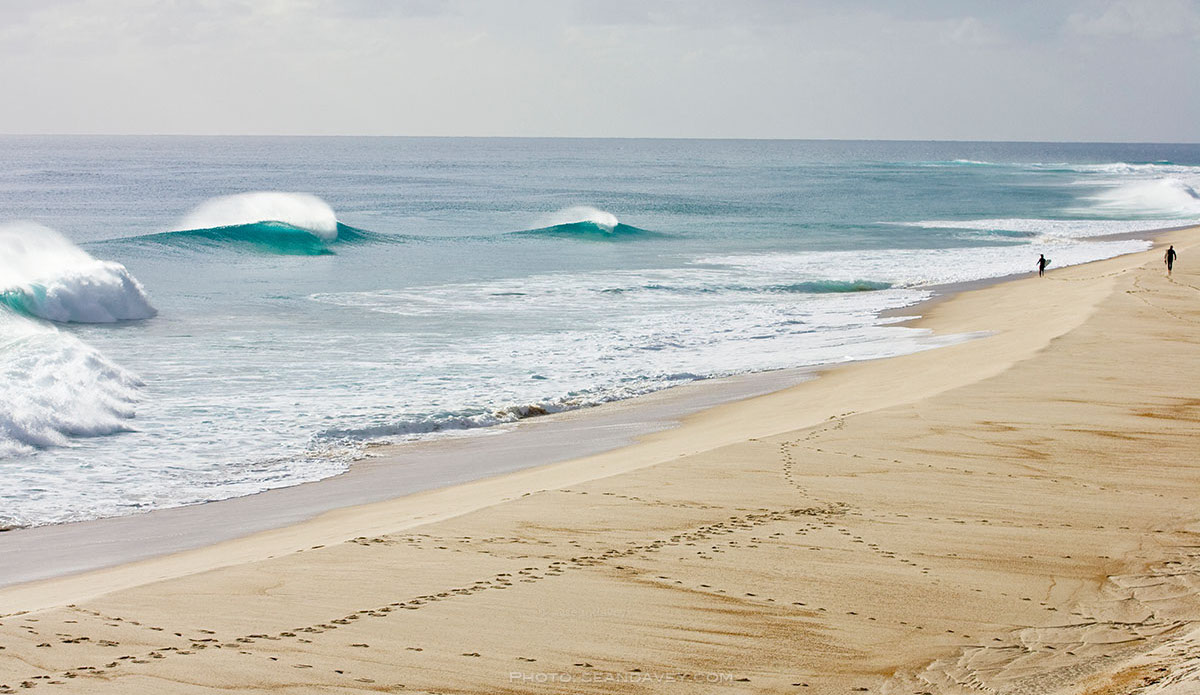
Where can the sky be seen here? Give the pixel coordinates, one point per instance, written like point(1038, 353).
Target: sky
point(1046, 70)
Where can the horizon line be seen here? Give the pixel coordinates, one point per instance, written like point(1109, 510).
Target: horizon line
point(594, 137)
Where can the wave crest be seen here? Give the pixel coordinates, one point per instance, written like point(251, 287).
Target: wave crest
point(297, 210)
point(43, 274)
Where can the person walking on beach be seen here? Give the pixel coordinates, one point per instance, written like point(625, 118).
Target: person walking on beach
point(1169, 258)
point(1042, 263)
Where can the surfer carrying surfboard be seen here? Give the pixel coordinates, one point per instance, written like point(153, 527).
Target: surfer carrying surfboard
point(1041, 264)
point(1169, 258)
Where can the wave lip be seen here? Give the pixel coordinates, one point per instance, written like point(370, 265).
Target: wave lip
point(296, 210)
point(43, 274)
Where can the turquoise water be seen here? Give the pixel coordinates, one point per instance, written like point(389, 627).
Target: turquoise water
point(183, 341)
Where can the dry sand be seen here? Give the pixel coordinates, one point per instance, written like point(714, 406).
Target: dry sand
point(1014, 514)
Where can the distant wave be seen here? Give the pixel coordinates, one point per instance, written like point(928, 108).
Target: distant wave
point(590, 231)
point(295, 210)
point(294, 224)
point(42, 274)
point(588, 223)
point(267, 237)
point(580, 213)
point(961, 163)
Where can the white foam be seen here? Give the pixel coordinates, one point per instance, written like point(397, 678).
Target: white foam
point(300, 210)
point(1145, 170)
point(580, 213)
point(916, 268)
point(45, 275)
point(1049, 229)
point(54, 386)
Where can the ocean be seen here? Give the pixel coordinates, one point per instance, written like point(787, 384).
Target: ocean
point(185, 319)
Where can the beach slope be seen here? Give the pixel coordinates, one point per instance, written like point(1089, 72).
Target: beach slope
point(1016, 513)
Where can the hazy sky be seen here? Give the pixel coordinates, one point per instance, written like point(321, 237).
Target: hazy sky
point(925, 69)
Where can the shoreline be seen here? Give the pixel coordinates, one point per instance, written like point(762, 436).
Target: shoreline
point(31, 554)
point(986, 515)
point(394, 471)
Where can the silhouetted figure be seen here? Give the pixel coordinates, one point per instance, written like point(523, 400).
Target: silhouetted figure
point(1169, 258)
point(1042, 263)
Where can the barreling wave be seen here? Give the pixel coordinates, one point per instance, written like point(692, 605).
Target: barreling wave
point(265, 237)
point(44, 275)
point(587, 223)
point(295, 224)
point(295, 210)
point(54, 386)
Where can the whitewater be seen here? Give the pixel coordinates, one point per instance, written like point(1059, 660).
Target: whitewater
point(260, 317)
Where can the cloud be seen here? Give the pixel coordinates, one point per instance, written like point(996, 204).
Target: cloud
point(971, 31)
point(690, 68)
point(1142, 19)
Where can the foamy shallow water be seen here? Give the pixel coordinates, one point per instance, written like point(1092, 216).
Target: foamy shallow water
point(417, 288)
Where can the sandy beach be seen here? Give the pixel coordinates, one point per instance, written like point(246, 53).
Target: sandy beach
point(1015, 513)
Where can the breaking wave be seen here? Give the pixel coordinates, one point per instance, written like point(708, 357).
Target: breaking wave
point(292, 224)
point(583, 222)
point(43, 274)
point(266, 237)
point(299, 211)
point(1167, 197)
point(54, 386)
